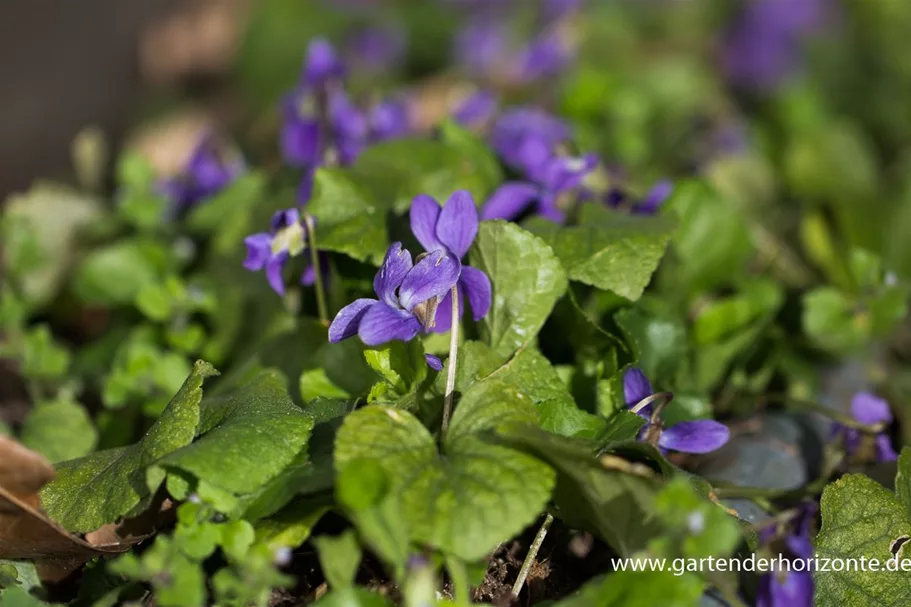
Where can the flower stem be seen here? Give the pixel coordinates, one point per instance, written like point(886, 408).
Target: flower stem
point(453, 358)
point(532, 554)
point(317, 271)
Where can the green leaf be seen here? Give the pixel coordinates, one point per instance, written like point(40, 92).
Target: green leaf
point(700, 528)
point(754, 301)
point(398, 170)
point(256, 424)
point(100, 488)
point(861, 518)
point(615, 502)
point(472, 496)
point(46, 220)
point(530, 373)
point(659, 343)
point(401, 364)
point(228, 214)
point(903, 480)
point(622, 427)
point(353, 597)
point(609, 250)
point(42, 357)
point(712, 241)
point(638, 589)
point(60, 430)
point(291, 526)
point(527, 281)
point(348, 220)
point(340, 557)
point(833, 320)
point(482, 157)
point(115, 274)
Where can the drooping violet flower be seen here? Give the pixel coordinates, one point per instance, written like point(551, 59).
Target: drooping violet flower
point(696, 436)
point(868, 409)
point(271, 250)
point(520, 134)
point(647, 205)
point(408, 293)
point(552, 180)
point(452, 228)
point(434, 362)
point(546, 55)
point(793, 588)
point(763, 45)
point(476, 110)
point(322, 64)
point(211, 168)
point(389, 119)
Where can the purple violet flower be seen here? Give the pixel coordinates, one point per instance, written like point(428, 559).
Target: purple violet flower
point(868, 409)
point(551, 180)
point(546, 55)
point(389, 119)
point(452, 228)
point(476, 110)
point(696, 436)
point(648, 204)
point(434, 362)
point(211, 168)
point(374, 49)
point(482, 47)
point(271, 250)
point(322, 64)
point(763, 46)
point(519, 136)
point(791, 588)
point(408, 293)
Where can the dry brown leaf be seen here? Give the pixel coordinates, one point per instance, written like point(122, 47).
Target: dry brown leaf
point(27, 533)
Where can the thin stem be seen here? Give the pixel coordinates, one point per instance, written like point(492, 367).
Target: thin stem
point(809, 405)
point(532, 554)
point(459, 577)
point(317, 270)
point(453, 358)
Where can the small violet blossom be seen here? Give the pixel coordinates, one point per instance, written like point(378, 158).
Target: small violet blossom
point(271, 250)
point(408, 293)
point(868, 409)
point(322, 125)
point(476, 110)
point(452, 228)
point(550, 181)
point(648, 204)
point(696, 436)
point(762, 47)
point(520, 134)
point(792, 588)
point(211, 168)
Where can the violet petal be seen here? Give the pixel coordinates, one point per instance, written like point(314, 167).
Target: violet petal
point(346, 322)
point(870, 409)
point(510, 200)
point(476, 286)
point(434, 362)
point(258, 250)
point(431, 277)
point(457, 224)
point(425, 211)
point(697, 436)
point(388, 278)
point(635, 386)
point(381, 324)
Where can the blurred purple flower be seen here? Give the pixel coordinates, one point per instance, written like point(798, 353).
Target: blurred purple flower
point(375, 49)
point(648, 204)
point(389, 119)
point(482, 47)
point(696, 436)
point(546, 55)
point(476, 110)
point(791, 588)
point(550, 180)
point(868, 409)
point(271, 250)
point(452, 228)
point(763, 45)
point(522, 135)
point(211, 168)
point(321, 65)
point(408, 297)
point(434, 362)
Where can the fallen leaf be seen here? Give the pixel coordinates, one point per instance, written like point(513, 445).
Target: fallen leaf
point(27, 533)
